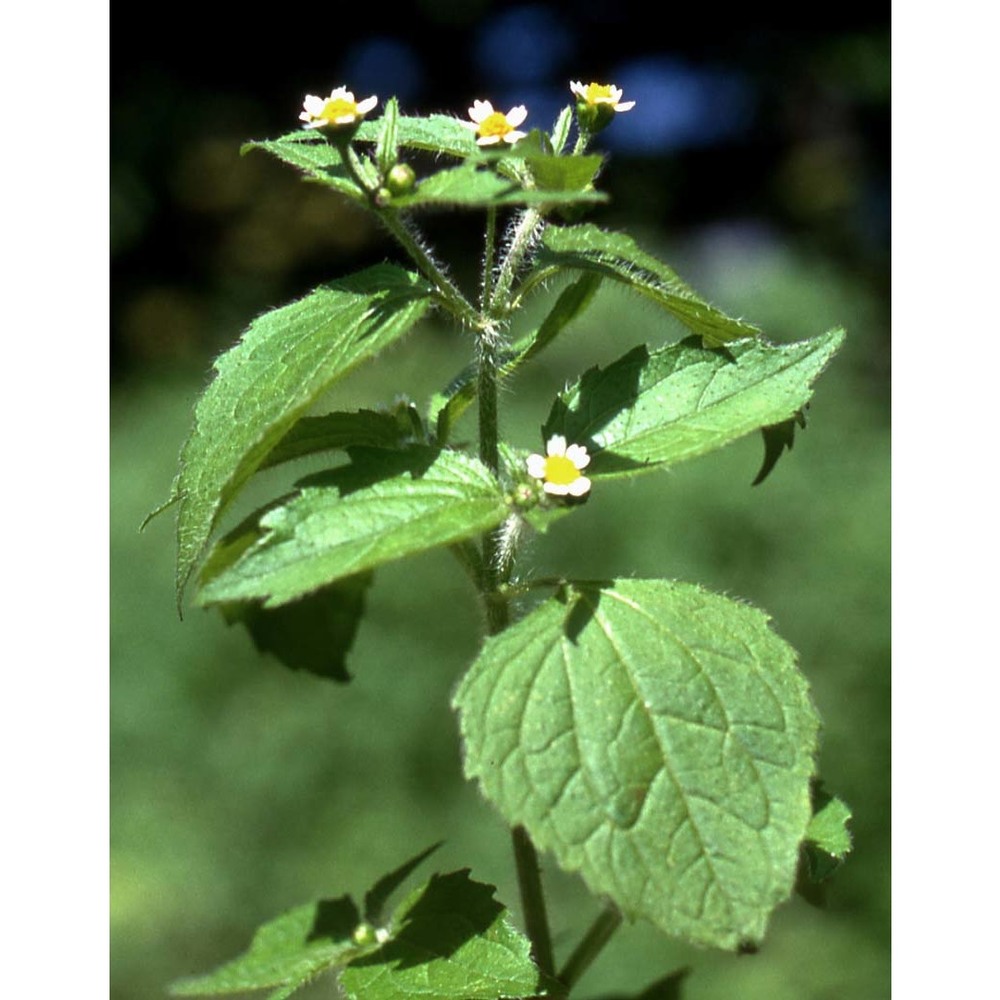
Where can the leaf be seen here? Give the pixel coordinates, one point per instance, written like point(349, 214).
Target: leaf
point(564, 173)
point(387, 145)
point(654, 410)
point(449, 939)
point(448, 406)
point(314, 156)
point(315, 633)
point(617, 256)
point(285, 361)
point(778, 437)
point(560, 129)
point(434, 133)
point(667, 988)
point(657, 738)
point(384, 506)
point(375, 898)
point(286, 952)
point(367, 428)
point(472, 185)
point(828, 839)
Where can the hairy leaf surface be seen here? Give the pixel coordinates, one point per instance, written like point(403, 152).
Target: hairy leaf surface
point(314, 156)
point(285, 361)
point(649, 410)
point(449, 940)
point(384, 506)
point(657, 738)
point(617, 256)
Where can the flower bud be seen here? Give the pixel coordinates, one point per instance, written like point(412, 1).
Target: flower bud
point(400, 179)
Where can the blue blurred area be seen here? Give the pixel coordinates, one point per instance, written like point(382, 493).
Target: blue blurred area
point(385, 66)
point(678, 106)
point(524, 45)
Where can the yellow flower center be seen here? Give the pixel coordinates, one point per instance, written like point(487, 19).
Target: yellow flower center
point(335, 109)
point(495, 124)
point(560, 470)
point(598, 93)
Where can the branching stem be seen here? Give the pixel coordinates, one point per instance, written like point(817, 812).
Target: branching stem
point(599, 934)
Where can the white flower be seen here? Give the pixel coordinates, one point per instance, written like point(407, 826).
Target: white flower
point(494, 126)
point(559, 468)
point(601, 93)
point(339, 108)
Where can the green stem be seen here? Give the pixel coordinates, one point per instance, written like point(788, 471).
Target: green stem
point(525, 229)
point(601, 931)
point(452, 298)
point(533, 901)
point(488, 258)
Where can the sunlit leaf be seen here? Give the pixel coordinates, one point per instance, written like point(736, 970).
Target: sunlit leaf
point(285, 361)
point(658, 739)
point(650, 410)
point(617, 256)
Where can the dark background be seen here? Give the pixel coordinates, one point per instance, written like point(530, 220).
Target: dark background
point(756, 161)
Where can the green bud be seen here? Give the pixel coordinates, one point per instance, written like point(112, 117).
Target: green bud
point(400, 179)
point(364, 934)
point(594, 117)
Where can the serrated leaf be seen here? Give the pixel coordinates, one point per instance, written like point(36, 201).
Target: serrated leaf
point(658, 739)
point(560, 129)
point(446, 407)
point(393, 428)
point(653, 410)
point(564, 173)
point(434, 133)
point(314, 156)
point(617, 256)
point(387, 145)
point(286, 952)
point(314, 633)
point(450, 940)
point(286, 359)
point(473, 185)
point(828, 837)
point(777, 439)
point(384, 506)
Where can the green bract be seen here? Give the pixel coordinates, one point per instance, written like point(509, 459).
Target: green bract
point(656, 738)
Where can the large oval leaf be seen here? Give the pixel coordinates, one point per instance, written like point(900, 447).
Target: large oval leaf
point(658, 739)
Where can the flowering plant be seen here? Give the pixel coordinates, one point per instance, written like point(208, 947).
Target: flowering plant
point(655, 737)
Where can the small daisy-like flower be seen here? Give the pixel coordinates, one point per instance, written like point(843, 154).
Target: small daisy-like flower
point(601, 93)
point(559, 468)
point(339, 108)
point(494, 126)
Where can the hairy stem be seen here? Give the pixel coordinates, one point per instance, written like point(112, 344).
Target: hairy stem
point(521, 240)
point(488, 257)
point(452, 298)
point(600, 932)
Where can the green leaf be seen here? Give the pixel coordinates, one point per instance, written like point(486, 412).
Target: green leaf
point(379, 893)
point(778, 437)
point(450, 940)
point(560, 129)
point(448, 406)
point(314, 156)
point(285, 361)
point(393, 428)
point(564, 173)
point(473, 185)
point(384, 506)
point(653, 410)
point(828, 838)
point(434, 133)
point(287, 952)
point(315, 633)
point(617, 256)
point(387, 145)
point(657, 738)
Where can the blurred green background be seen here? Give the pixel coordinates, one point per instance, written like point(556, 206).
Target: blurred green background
point(240, 789)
